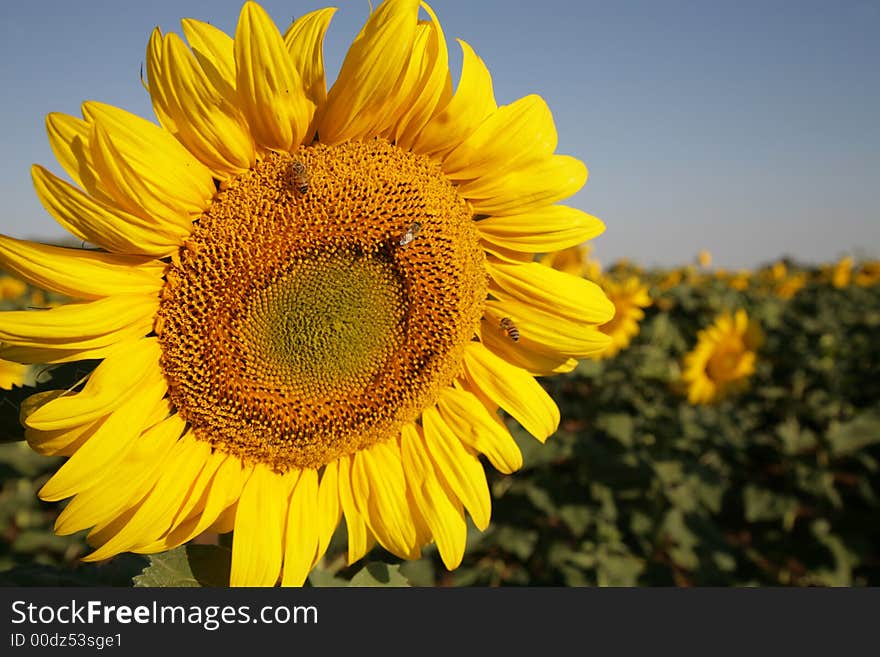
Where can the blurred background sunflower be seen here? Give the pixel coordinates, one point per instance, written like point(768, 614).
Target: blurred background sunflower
point(723, 358)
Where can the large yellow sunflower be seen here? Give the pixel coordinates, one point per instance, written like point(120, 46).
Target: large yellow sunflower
point(629, 297)
point(723, 358)
point(308, 304)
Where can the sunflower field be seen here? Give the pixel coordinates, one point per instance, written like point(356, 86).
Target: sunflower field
point(729, 436)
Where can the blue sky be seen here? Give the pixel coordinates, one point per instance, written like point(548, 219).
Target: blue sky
point(747, 128)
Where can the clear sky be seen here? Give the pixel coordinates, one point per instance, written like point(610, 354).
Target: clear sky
point(747, 128)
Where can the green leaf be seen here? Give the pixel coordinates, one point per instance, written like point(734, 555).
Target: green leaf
point(520, 542)
point(377, 573)
point(863, 430)
point(188, 566)
point(321, 578)
point(617, 425)
point(762, 504)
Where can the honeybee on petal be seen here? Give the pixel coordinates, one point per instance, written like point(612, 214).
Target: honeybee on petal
point(510, 329)
point(300, 177)
point(409, 234)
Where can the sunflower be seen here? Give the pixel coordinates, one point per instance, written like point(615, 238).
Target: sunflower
point(868, 274)
point(575, 260)
point(791, 285)
point(723, 358)
point(841, 272)
point(628, 297)
point(302, 299)
point(11, 288)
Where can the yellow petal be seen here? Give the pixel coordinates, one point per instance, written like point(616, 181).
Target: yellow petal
point(380, 496)
point(542, 331)
point(358, 538)
point(102, 224)
point(548, 229)
point(304, 40)
point(114, 380)
point(60, 442)
point(512, 389)
point(550, 290)
point(441, 509)
point(511, 136)
point(213, 48)
point(425, 82)
point(259, 529)
point(363, 98)
point(48, 355)
point(80, 273)
point(270, 89)
point(82, 325)
point(193, 499)
point(473, 102)
point(329, 508)
point(69, 138)
point(534, 359)
point(130, 480)
point(534, 184)
point(154, 514)
point(212, 128)
point(110, 442)
point(160, 94)
point(146, 170)
point(475, 426)
point(458, 467)
point(221, 492)
point(302, 530)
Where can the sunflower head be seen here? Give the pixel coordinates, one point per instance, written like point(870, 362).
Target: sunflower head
point(791, 284)
point(308, 304)
point(840, 273)
point(868, 274)
point(723, 358)
point(629, 297)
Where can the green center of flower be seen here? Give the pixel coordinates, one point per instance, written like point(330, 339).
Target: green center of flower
point(327, 322)
point(322, 300)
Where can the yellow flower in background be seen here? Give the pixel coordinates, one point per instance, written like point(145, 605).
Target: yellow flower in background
point(670, 279)
point(791, 285)
point(303, 298)
point(12, 374)
point(11, 288)
point(723, 358)
point(867, 274)
point(704, 258)
point(629, 298)
point(740, 280)
point(840, 274)
point(576, 260)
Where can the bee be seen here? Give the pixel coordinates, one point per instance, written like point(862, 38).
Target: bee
point(410, 234)
point(510, 329)
point(300, 177)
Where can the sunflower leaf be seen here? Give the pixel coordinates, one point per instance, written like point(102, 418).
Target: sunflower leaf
point(187, 566)
point(376, 573)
